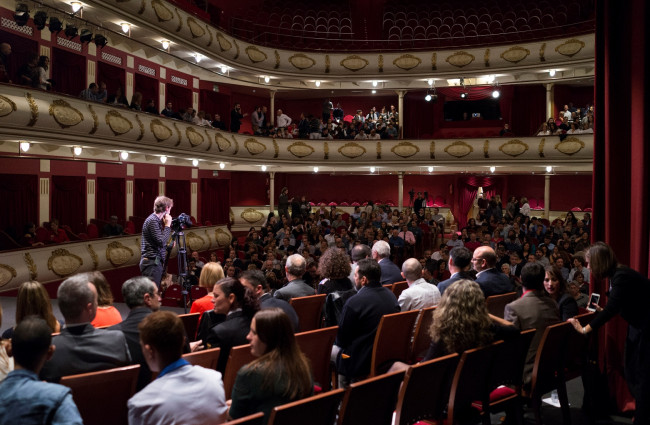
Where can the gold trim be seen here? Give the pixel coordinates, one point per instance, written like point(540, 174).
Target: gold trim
point(95, 119)
point(116, 254)
point(407, 62)
point(62, 112)
point(7, 106)
point(209, 139)
point(570, 47)
point(180, 136)
point(236, 145)
point(301, 61)
point(93, 256)
point(542, 52)
point(66, 267)
point(570, 146)
point(33, 109)
point(380, 63)
point(251, 215)
point(354, 63)
point(515, 54)
point(180, 20)
point(118, 130)
point(460, 59)
point(193, 136)
point(141, 125)
point(254, 147)
point(158, 124)
point(456, 149)
point(277, 59)
point(434, 61)
point(161, 11)
point(236, 47)
point(352, 145)
point(378, 150)
point(255, 55)
point(486, 58)
point(541, 147)
point(220, 140)
point(11, 271)
point(486, 149)
point(221, 237)
point(143, 7)
point(31, 266)
point(432, 150)
point(327, 64)
point(211, 36)
point(276, 148)
point(409, 146)
point(300, 148)
point(224, 44)
point(326, 151)
point(193, 242)
point(195, 27)
point(514, 148)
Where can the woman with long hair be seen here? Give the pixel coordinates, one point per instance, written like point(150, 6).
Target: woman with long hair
point(32, 300)
point(211, 273)
point(280, 373)
point(628, 297)
point(238, 304)
point(107, 314)
point(43, 65)
point(556, 288)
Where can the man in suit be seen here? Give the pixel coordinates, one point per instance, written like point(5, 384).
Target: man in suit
point(81, 348)
point(459, 262)
point(352, 350)
point(534, 309)
point(296, 287)
point(255, 280)
point(491, 280)
point(141, 296)
point(390, 273)
point(420, 293)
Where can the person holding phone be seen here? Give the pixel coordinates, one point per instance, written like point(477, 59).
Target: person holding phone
point(628, 296)
point(156, 231)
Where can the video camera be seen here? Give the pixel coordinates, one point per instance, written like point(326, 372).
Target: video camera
point(183, 221)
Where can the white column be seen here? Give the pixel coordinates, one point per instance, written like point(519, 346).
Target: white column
point(271, 189)
point(272, 112)
point(44, 200)
point(194, 200)
point(90, 200)
point(129, 199)
point(400, 190)
point(549, 100)
point(400, 112)
point(547, 195)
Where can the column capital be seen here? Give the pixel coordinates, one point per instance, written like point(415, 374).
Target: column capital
point(401, 93)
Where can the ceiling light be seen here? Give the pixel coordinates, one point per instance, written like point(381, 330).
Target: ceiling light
point(195, 162)
point(430, 169)
point(125, 27)
point(222, 165)
point(267, 79)
point(315, 169)
point(551, 73)
point(76, 6)
point(372, 169)
point(549, 169)
point(24, 146)
point(263, 167)
point(490, 79)
point(427, 97)
point(463, 95)
point(493, 169)
point(317, 83)
point(374, 91)
point(163, 159)
point(430, 81)
point(124, 155)
point(198, 57)
point(77, 150)
point(374, 83)
point(496, 94)
point(165, 44)
point(224, 69)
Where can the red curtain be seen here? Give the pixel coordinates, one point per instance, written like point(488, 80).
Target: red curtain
point(621, 180)
point(20, 192)
point(468, 187)
point(180, 97)
point(215, 200)
point(111, 198)
point(214, 103)
point(148, 86)
point(145, 192)
point(69, 201)
point(21, 50)
point(179, 191)
point(68, 71)
point(528, 109)
point(113, 76)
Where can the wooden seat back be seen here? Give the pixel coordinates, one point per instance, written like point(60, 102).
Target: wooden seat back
point(576, 349)
point(239, 356)
point(421, 337)
point(206, 358)
point(102, 397)
point(379, 392)
point(496, 304)
point(392, 341)
point(309, 310)
point(254, 419)
point(399, 287)
point(191, 324)
point(316, 410)
point(425, 391)
point(317, 346)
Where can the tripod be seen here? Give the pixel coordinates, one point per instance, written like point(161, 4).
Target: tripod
point(178, 238)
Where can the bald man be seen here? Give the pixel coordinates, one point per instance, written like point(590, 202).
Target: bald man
point(491, 280)
point(420, 293)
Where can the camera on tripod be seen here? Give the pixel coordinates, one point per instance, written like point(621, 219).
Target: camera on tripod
point(183, 221)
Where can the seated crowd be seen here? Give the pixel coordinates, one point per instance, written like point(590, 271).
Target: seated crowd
point(571, 120)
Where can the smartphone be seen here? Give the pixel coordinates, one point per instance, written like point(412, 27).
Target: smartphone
point(593, 300)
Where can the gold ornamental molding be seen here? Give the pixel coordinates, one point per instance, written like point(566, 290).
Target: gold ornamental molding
point(486, 58)
point(570, 146)
point(118, 254)
point(95, 119)
point(141, 125)
point(7, 106)
point(195, 242)
point(515, 54)
point(277, 59)
point(276, 149)
point(541, 147)
point(460, 59)
point(160, 131)
point(380, 63)
point(93, 256)
point(196, 29)
point(64, 114)
point(63, 263)
point(223, 42)
point(405, 149)
point(251, 215)
point(301, 61)
point(300, 149)
point(222, 238)
point(33, 109)
point(432, 150)
point(255, 55)
point(194, 137)
point(513, 148)
point(542, 52)
point(434, 61)
point(354, 63)
point(486, 149)
point(459, 149)
point(378, 150)
point(352, 150)
point(7, 273)
point(570, 47)
point(162, 12)
point(31, 266)
point(407, 62)
point(222, 143)
point(210, 34)
point(117, 123)
point(254, 147)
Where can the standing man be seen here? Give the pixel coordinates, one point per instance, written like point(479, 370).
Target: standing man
point(283, 203)
point(235, 118)
point(327, 109)
point(155, 234)
point(282, 120)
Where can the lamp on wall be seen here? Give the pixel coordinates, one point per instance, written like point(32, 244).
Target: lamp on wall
point(165, 44)
point(76, 6)
point(24, 146)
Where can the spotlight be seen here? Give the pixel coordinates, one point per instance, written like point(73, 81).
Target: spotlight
point(198, 57)
point(163, 159)
point(374, 83)
point(86, 36)
point(493, 169)
point(263, 167)
point(24, 146)
point(549, 169)
point(430, 169)
point(125, 27)
point(40, 18)
point(430, 81)
point(165, 44)
point(21, 16)
point(317, 83)
point(222, 165)
point(124, 155)
point(195, 162)
point(77, 150)
point(267, 79)
point(464, 95)
point(374, 91)
point(100, 40)
point(551, 73)
point(76, 6)
point(71, 30)
point(224, 69)
point(55, 24)
point(427, 97)
point(315, 169)
point(372, 169)
point(496, 94)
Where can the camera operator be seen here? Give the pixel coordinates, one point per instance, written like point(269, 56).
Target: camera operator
point(155, 233)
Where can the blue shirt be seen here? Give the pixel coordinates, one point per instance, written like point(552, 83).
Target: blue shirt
point(25, 400)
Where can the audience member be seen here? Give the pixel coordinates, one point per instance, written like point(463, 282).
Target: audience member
point(460, 260)
point(296, 287)
point(236, 117)
point(136, 101)
point(420, 293)
point(28, 74)
point(90, 93)
point(107, 314)
point(491, 280)
point(118, 99)
point(390, 273)
point(6, 361)
point(168, 111)
point(113, 228)
point(57, 234)
point(32, 300)
point(217, 123)
point(257, 282)
point(556, 288)
point(211, 273)
point(42, 67)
